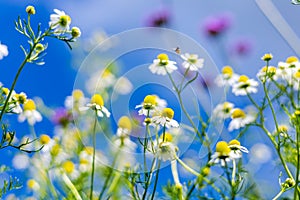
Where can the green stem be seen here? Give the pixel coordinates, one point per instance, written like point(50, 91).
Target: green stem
point(185, 166)
point(94, 152)
point(233, 172)
point(278, 195)
point(296, 191)
point(149, 178)
point(156, 180)
point(71, 186)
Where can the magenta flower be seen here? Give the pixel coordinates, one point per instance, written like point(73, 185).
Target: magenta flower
point(242, 47)
point(62, 117)
point(159, 18)
point(217, 24)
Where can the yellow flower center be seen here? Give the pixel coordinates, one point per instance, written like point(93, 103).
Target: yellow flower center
point(106, 73)
point(205, 171)
point(243, 79)
point(297, 112)
point(193, 58)
point(30, 10)
point(68, 166)
point(97, 99)
point(270, 69)
point(89, 150)
point(29, 105)
point(291, 59)
point(149, 101)
point(267, 57)
point(168, 137)
point(282, 128)
point(55, 150)
point(44, 139)
point(234, 142)
point(83, 161)
point(5, 90)
point(21, 98)
point(168, 112)
point(64, 20)
point(124, 122)
point(39, 47)
point(227, 70)
point(238, 113)
point(163, 57)
point(226, 107)
point(222, 148)
point(31, 183)
point(297, 74)
point(77, 94)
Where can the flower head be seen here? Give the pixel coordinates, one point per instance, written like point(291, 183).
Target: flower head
point(60, 21)
point(162, 65)
point(222, 153)
point(267, 57)
point(216, 25)
point(244, 86)
point(30, 10)
point(165, 118)
point(240, 119)
point(124, 126)
point(192, 62)
point(75, 32)
point(97, 104)
point(266, 73)
point(223, 110)
point(227, 77)
point(30, 113)
point(160, 18)
point(236, 149)
point(151, 104)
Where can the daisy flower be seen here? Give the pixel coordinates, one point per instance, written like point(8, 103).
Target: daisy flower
point(192, 62)
point(266, 73)
point(227, 78)
point(240, 119)
point(47, 142)
point(296, 80)
point(165, 118)
point(76, 100)
point(123, 131)
point(60, 21)
point(33, 185)
point(3, 51)
point(150, 105)
point(30, 113)
point(267, 57)
point(166, 151)
point(288, 68)
point(70, 169)
point(162, 65)
point(222, 154)
point(244, 86)
point(223, 110)
point(236, 149)
point(97, 104)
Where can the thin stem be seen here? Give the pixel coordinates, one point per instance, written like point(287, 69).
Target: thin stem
point(149, 178)
point(185, 166)
point(94, 152)
point(296, 191)
point(156, 180)
point(278, 195)
point(233, 172)
point(71, 186)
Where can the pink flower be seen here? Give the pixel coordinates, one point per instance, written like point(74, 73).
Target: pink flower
point(217, 24)
point(159, 18)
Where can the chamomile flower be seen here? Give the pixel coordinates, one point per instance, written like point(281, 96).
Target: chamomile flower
point(97, 104)
point(33, 185)
point(123, 131)
point(60, 21)
point(227, 78)
point(223, 110)
point(76, 100)
point(236, 149)
point(151, 105)
point(3, 51)
point(267, 57)
point(192, 62)
point(288, 68)
point(267, 73)
point(240, 119)
point(244, 86)
point(47, 142)
point(30, 113)
point(162, 65)
point(70, 169)
point(296, 80)
point(165, 118)
point(166, 151)
point(222, 154)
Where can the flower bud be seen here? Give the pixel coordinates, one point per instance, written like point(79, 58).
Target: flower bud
point(30, 10)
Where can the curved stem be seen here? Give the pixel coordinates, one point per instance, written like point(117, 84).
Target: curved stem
point(278, 195)
point(71, 186)
point(94, 152)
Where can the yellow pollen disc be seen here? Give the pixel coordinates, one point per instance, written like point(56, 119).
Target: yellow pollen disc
point(105, 73)
point(68, 166)
point(89, 150)
point(97, 99)
point(150, 99)
point(5, 90)
point(31, 183)
point(64, 20)
point(238, 113)
point(226, 105)
point(162, 57)
point(21, 98)
point(222, 148)
point(227, 70)
point(168, 112)
point(29, 105)
point(168, 137)
point(243, 78)
point(124, 122)
point(291, 59)
point(297, 74)
point(44, 139)
point(234, 142)
point(267, 57)
point(77, 94)
point(283, 128)
point(83, 161)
